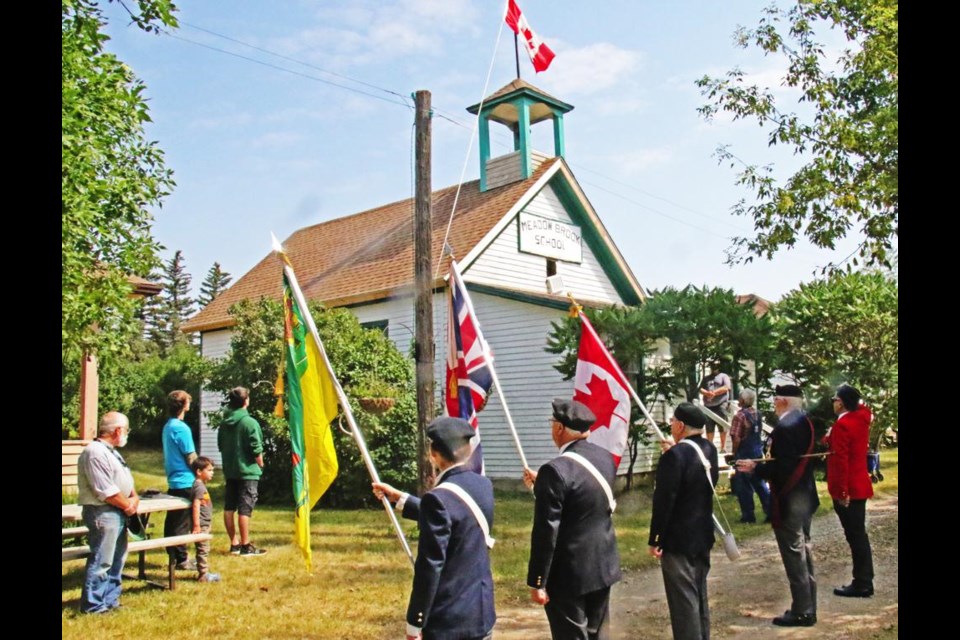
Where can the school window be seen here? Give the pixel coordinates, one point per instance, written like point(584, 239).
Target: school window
point(382, 325)
point(551, 267)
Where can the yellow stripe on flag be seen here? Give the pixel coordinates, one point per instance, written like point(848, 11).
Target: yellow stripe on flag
point(319, 409)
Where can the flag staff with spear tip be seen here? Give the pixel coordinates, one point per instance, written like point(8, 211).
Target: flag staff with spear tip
point(354, 431)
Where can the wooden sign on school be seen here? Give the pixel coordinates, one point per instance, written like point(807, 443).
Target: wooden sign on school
point(550, 238)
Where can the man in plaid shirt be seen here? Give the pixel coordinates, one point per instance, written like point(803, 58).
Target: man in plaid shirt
point(746, 433)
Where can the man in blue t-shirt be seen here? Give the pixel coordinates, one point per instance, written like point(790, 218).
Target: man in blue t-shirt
point(178, 453)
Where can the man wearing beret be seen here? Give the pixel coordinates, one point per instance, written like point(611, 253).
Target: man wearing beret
point(452, 595)
point(681, 529)
point(573, 548)
point(793, 501)
point(849, 484)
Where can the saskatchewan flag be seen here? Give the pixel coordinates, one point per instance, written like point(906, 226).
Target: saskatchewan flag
point(312, 404)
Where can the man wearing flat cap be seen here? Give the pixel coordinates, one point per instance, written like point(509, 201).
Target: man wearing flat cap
point(573, 548)
point(452, 595)
point(681, 528)
point(793, 501)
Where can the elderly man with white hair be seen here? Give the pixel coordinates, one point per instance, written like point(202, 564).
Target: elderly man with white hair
point(793, 501)
point(108, 498)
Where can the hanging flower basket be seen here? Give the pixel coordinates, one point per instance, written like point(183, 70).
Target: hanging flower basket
point(377, 405)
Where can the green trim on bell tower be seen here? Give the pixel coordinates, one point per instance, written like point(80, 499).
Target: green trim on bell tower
point(518, 106)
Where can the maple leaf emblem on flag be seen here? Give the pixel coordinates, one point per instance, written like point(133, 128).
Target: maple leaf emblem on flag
point(601, 402)
point(600, 384)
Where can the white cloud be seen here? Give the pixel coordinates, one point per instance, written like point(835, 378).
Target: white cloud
point(772, 79)
point(371, 31)
point(593, 68)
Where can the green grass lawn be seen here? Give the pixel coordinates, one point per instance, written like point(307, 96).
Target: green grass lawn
point(360, 581)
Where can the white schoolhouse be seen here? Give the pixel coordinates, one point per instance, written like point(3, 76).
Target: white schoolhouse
point(525, 219)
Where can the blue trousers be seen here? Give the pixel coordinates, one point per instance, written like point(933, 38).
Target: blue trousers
point(744, 485)
point(108, 552)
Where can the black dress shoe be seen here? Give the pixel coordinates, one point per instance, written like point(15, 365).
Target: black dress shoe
point(791, 619)
point(853, 591)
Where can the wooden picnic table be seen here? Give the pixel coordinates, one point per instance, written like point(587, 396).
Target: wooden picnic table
point(72, 513)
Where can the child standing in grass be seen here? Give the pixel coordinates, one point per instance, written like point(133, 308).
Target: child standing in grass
point(202, 514)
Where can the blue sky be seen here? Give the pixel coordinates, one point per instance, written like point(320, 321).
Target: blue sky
point(257, 149)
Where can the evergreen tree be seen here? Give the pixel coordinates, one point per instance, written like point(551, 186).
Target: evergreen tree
point(152, 314)
point(180, 305)
point(214, 284)
point(164, 316)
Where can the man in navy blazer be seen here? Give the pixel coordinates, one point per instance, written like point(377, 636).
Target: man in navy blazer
point(793, 501)
point(681, 527)
point(573, 547)
point(452, 595)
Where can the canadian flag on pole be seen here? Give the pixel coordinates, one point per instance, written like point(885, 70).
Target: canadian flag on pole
point(540, 54)
point(600, 384)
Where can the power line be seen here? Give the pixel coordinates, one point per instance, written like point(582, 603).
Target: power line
point(658, 212)
point(286, 70)
point(294, 60)
point(501, 138)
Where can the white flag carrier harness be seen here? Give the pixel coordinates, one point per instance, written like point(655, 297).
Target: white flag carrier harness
point(576, 457)
point(473, 506)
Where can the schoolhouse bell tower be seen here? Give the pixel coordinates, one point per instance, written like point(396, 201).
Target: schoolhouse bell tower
point(518, 106)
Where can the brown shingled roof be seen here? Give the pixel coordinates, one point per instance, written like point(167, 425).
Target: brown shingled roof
point(369, 255)
point(515, 85)
point(760, 305)
point(144, 287)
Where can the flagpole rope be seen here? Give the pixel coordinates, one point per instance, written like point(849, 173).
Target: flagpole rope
point(466, 160)
point(441, 113)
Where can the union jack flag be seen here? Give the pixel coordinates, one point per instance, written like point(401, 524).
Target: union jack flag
point(469, 362)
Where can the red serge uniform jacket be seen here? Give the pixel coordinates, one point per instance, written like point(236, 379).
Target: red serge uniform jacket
point(847, 475)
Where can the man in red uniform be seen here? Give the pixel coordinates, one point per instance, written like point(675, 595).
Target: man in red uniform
point(849, 484)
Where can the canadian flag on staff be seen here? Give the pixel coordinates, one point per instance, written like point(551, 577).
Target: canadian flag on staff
point(540, 54)
point(600, 384)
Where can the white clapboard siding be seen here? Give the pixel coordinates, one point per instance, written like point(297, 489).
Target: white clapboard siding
point(502, 263)
point(517, 334)
point(401, 324)
point(213, 346)
point(506, 168)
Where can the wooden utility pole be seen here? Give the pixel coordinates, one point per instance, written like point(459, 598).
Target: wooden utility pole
point(423, 278)
point(89, 396)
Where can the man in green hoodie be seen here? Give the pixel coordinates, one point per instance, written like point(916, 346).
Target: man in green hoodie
point(241, 452)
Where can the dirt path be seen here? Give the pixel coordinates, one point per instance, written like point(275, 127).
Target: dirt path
point(746, 595)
